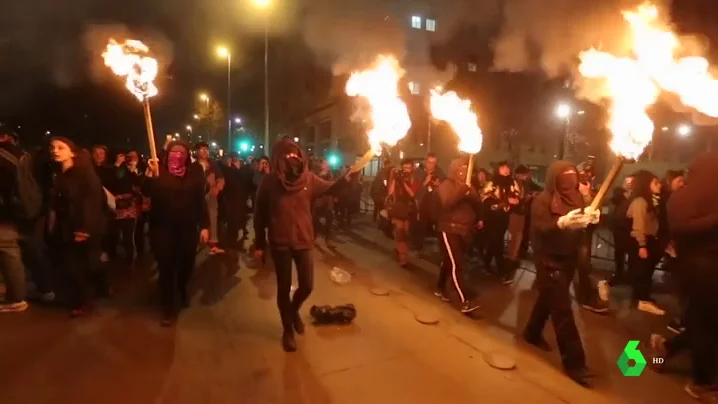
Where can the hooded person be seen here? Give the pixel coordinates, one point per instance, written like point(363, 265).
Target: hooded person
point(77, 224)
point(693, 225)
point(558, 219)
point(283, 207)
point(458, 216)
point(499, 198)
point(179, 219)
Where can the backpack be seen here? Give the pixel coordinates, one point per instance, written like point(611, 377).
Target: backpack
point(28, 195)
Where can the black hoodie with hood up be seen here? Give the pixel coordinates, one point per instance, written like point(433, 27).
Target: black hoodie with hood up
point(692, 211)
point(547, 240)
point(460, 204)
point(178, 202)
point(284, 200)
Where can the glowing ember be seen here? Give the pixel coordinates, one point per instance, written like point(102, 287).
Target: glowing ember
point(130, 60)
point(457, 113)
point(388, 114)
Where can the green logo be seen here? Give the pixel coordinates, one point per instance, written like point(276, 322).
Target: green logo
point(631, 353)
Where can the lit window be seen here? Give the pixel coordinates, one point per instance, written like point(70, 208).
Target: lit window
point(414, 88)
point(430, 25)
point(472, 67)
point(416, 22)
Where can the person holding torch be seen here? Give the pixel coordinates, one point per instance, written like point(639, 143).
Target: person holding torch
point(179, 219)
point(559, 216)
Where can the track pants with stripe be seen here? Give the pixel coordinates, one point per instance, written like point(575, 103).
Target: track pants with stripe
point(453, 262)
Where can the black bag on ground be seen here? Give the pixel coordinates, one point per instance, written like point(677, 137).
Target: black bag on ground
point(343, 314)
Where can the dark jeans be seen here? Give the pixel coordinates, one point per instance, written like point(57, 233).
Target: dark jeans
point(642, 277)
point(11, 267)
point(621, 247)
point(495, 227)
point(554, 301)
point(140, 232)
point(174, 248)
point(289, 306)
point(325, 229)
point(35, 255)
point(124, 228)
point(583, 285)
point(453, 263)
point(701, 318)
point(80, 263)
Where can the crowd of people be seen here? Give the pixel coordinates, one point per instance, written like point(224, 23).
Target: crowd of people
point(64, 216)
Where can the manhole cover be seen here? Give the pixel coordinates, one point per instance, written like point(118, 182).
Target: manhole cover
point(500, 361)
point(427, 318)
point(380, 292)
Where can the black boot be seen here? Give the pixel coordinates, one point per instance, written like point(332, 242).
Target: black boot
point(288, 342)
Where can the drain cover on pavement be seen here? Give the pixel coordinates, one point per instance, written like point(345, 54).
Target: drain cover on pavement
point(427, 318)
point(380, 291)
point(500, 361)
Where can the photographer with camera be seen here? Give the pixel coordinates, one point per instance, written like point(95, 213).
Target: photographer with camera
point(429, 175)
point(401, 206)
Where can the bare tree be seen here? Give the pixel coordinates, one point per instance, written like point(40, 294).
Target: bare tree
point(211, 118)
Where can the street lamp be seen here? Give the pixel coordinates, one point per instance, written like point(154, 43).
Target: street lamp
point(196, 117)
point(264, 4)
point(684, 130)
point(223, 52)
point(204, 98)
point(189, 128)
point(237, 121)
point(563, 111)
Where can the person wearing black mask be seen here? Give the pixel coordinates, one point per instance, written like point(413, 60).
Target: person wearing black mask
point(499, 195)
point(284, 207)
point(693, 225)
point(558, 219)
point(179, 219)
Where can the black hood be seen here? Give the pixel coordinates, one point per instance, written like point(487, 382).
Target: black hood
point(458, 169)
point(292, 172)
point(693, 207)
point(562, 201)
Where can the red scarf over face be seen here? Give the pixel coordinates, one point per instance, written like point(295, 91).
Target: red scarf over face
point(177, 161)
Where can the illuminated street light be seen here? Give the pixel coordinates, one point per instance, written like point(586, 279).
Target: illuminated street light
point(176, 135)
point(196, 117)
point(214, 144)
point(204, 97)
point(684, 130)
point(581, 112)
point(262, 3)
point(563, 111)
point(189, 128)
point(222, 52)
point(237, 120)
point(296, 139)
point(664, 129)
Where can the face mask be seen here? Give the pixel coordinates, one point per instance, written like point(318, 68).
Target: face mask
point(177, 163)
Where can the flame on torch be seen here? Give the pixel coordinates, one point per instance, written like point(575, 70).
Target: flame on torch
point(457, 113)
point(129, 59)
point(449, 107)
point(380, 87)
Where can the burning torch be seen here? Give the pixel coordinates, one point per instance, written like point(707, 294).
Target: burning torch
point(449, 107)
point(389, 117)
point(130, 60)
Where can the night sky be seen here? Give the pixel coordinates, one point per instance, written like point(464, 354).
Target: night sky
point(51, 73)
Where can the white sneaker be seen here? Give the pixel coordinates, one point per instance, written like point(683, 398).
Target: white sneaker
point(650, 307)
point(604, 290)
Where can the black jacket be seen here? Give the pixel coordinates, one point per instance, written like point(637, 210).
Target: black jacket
point(460, 204)
point(178, 202)
point(547, 240)
point(8, 184)
point(692, 215)
point(79, 203)
point(283, 204)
